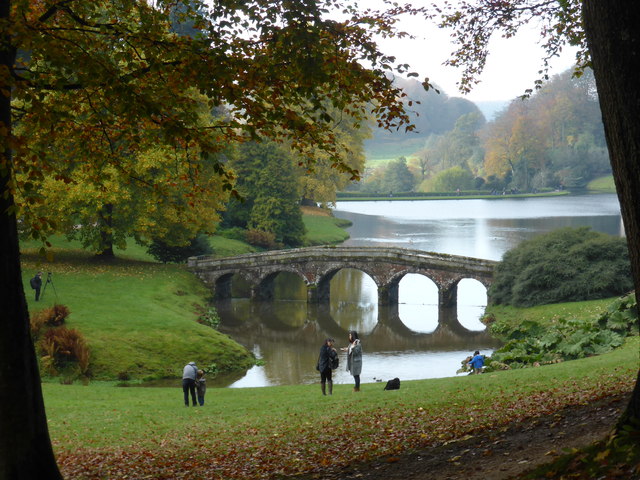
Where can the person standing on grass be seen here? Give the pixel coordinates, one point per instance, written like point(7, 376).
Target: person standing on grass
point(36, 284)
point(327, 354)
point(201, 386)
point(354, 358)
point(189, 374)
point(477, 362)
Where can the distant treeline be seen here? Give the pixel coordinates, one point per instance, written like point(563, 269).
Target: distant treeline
point(465, 193)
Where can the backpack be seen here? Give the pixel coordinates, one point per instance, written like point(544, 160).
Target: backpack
point(334, 362)
point(393, 384)
point(33, 283)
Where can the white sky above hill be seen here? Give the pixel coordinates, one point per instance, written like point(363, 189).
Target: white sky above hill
point(512, 65)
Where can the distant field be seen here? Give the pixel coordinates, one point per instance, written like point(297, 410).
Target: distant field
point(602, 185)
point(377, 162)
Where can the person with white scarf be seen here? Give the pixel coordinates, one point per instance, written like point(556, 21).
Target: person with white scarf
point(354, 358)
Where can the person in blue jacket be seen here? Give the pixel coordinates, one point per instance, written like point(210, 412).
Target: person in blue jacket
point(477, 362)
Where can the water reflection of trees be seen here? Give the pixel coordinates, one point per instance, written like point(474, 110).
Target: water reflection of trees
point(298, 323)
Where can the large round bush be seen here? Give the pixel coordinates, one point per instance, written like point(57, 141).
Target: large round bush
point(565, 265)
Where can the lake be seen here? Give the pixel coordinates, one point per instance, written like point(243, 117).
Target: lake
point(413, 340)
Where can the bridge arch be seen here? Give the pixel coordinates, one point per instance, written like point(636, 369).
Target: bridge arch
point(320, 292)
point(317, 265)
point(263, 287)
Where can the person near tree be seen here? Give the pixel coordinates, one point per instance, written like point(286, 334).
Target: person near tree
point(327, 354)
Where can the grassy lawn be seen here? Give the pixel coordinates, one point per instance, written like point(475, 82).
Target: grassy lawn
point(602, 185)
point(546, 314)
point(323, 228)
point(138, 317)
point(256, 432)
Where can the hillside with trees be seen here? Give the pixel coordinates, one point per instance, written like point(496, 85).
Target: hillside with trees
point(432, 111)
point(553, 139)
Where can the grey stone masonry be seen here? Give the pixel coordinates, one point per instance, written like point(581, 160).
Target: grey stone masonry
point(317, 265)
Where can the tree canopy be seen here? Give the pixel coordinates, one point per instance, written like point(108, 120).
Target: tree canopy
point(96, 81)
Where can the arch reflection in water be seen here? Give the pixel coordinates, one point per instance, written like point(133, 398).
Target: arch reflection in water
point(287, 332)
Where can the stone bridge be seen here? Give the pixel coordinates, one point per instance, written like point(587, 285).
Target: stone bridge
point(317, 266)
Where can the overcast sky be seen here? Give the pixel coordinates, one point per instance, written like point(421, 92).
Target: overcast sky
point(512, 65)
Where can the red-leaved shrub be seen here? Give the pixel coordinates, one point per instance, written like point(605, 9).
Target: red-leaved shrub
point(62, 346)
point(52, 317)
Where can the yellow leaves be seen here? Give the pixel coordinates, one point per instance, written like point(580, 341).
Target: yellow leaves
point(602, 455)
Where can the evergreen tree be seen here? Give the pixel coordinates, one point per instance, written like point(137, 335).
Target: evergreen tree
point(267, 181)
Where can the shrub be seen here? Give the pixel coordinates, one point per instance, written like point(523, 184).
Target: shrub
point(530, 343)
point(260, 238)
point(62, 347)
point(566, 265)
point(210, 318)
point(166, 253)
point(51, 317)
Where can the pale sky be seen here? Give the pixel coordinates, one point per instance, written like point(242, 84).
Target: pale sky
point(512, 65)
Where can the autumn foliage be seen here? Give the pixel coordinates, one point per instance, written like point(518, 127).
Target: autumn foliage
point(289, 446)
point(51, 317)
point(60, 347)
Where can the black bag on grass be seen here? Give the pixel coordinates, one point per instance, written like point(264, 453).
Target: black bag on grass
point(393, 384)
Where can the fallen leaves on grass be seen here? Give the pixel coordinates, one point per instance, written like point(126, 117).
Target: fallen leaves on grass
point(331, 445)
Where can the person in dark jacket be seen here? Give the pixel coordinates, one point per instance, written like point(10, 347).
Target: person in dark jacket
point(201, 387)
point(36, 284)
point(327, 353)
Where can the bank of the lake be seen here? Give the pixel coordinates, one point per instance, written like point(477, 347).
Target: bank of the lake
point(597, 186)
point(368, 197)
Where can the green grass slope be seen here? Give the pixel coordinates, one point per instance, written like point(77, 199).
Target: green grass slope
point(602, 185)
point(138, 317)
point(323, 228)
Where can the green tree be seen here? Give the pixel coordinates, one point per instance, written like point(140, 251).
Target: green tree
point(267, 61)
point(450, 180)
point(119, 200)
point(270, 201)
point(396, 177)
point(276, 198)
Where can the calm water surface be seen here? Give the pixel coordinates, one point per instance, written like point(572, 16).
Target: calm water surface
point(413, 340)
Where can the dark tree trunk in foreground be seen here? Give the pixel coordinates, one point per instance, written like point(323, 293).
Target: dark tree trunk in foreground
point(25, 447)
point(614, 42)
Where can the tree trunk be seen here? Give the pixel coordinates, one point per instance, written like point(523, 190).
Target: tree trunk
point(614, 42)
point(25, 447)
point(106, 237)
